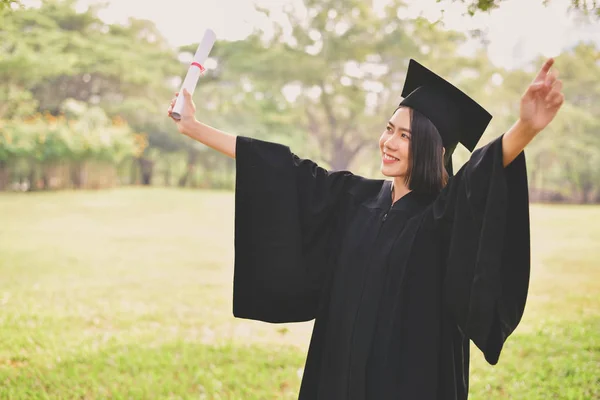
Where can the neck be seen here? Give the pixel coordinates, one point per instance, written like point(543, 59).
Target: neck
point(399, 188)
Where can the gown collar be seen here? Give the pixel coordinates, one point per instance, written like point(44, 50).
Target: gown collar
point(410, 202)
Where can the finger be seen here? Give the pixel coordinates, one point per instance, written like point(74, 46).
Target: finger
point(172, 104)
point(556, 103)
point(556, 99)
point(534, 88)
point(556, 89)
point(552, 97)
point(551, 77)
point(544, 71)
point(558, 85)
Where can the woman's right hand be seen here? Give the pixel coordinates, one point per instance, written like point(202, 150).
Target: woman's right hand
point(188, 118)
point(188, 125)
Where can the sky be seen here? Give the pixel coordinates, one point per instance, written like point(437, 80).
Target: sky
point(518, 31)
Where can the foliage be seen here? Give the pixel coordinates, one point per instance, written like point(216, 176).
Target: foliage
point(563, 161)
point(338, 72)
point(61, 148)
point(8, 4)
point(323, 83)
point(587, 7)
point(48, 139)
point(90, 61)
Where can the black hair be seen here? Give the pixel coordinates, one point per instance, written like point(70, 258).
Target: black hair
point(426, 172)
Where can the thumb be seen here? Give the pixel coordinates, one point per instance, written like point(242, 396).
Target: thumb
point(189, 107)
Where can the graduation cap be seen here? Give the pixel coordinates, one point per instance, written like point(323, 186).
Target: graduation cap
point(457, 117)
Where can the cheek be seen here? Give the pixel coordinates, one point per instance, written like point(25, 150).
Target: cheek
point(404, 153)
point(405, 150)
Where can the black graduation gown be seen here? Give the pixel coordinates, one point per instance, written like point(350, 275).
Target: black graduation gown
point(396, 290)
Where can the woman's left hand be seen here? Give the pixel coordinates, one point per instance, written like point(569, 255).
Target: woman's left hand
point(542, 100)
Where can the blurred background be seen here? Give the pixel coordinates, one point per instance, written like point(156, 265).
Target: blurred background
point(116, 231)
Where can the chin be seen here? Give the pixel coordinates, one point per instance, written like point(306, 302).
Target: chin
point(391, 172)
point(386, 172)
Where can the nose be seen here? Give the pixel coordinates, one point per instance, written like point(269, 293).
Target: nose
point(390, 144)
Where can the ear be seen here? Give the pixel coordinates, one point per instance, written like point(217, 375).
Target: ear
point(443, 152)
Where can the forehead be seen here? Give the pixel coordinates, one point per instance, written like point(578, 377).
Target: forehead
point(401, 118)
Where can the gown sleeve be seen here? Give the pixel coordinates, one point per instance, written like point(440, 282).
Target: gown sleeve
point(286, 213)
point(483, 218)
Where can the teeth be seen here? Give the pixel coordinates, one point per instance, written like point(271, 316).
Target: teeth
point(389, 157)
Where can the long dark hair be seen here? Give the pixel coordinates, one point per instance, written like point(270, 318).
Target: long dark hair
point(426, 172)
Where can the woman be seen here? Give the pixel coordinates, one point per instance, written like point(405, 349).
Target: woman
point(398, 275)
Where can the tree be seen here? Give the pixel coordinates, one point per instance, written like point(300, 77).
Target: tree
point(7, 4)
point(126, 70)
point(337, 74)
point(576, 134)
point(587, 7)
point(345, 67)
point(70, 142)
point(563, 161)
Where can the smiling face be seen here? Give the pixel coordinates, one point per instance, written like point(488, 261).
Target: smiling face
point(394, 144)
point(412, 152)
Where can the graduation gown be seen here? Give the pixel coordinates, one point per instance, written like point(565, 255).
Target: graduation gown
point(398, 290)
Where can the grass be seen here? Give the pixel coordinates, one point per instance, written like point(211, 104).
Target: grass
point(127, 294)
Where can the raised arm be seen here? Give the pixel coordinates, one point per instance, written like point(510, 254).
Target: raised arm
point(482, 217)
point(188, 125)
point(539, 105)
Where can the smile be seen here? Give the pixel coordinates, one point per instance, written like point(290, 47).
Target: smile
point(389, 158)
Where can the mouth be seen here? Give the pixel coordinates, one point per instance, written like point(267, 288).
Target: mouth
point(387, 159)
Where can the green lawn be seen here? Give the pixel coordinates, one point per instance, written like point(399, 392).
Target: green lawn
point(127, 294)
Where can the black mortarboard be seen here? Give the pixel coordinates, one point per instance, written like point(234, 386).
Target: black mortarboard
point(457, 117)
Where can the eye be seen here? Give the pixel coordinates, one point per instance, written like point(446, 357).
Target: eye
point(388, 128)
point(405, 136)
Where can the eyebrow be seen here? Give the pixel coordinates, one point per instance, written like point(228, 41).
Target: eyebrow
point(402, 129)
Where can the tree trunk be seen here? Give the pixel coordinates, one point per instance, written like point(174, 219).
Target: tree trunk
point(587, 192)
point(342, 156)
point(191, 166)
point(78, 175)
point(147, 169)
point(32, 177)
point(52, 176)
point(46, 175)
point(133, 172)
point(4, 175)
point(168, 175)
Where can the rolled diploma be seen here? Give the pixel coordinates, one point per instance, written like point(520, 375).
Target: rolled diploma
point(194, 71)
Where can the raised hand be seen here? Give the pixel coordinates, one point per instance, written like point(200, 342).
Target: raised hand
point(543, 99)
point(187, 115)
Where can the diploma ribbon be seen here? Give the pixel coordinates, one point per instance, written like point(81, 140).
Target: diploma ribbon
point(202, 69)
